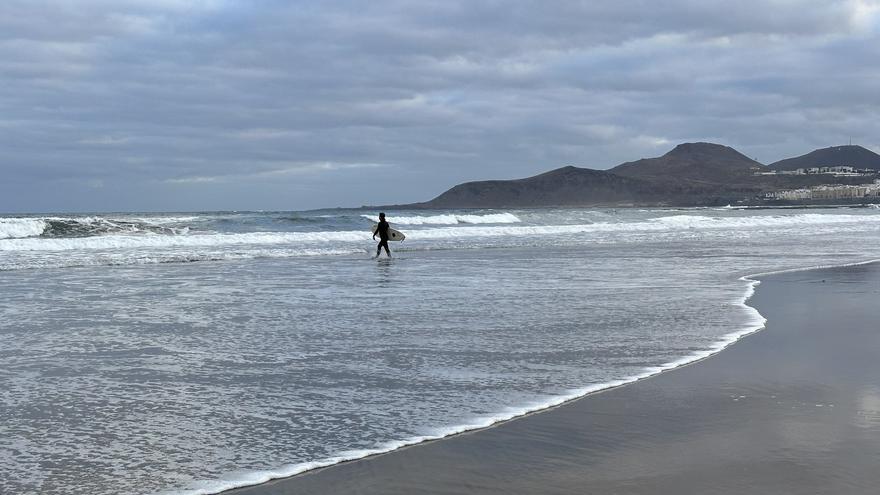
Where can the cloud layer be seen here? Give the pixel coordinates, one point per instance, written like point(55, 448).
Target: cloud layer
point(182, 105)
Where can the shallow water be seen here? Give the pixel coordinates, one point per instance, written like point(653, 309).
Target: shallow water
point(125, 369)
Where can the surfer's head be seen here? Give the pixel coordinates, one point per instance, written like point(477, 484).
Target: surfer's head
point(381, 216)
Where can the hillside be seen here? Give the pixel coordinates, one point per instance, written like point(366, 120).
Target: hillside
point(566, 186)
point(691, 174)
point(697, 163)
point(835, 156)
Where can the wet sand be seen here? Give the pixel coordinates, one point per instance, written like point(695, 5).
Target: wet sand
point(792, 409)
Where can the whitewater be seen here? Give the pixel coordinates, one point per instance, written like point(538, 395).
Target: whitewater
point(194, 352)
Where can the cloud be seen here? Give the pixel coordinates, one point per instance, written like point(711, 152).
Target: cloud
point(213, 93)
point(275, 171)
point(105, 141)
point(865, 15)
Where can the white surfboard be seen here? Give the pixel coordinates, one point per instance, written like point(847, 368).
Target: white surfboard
point(393, 235)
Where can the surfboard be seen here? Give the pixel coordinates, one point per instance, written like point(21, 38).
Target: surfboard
point(393, 235)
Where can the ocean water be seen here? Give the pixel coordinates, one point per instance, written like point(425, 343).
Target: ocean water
point(194, 352)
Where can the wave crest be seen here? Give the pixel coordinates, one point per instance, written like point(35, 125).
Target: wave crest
point(72, 227)
point(17, 228)
point(451, 219)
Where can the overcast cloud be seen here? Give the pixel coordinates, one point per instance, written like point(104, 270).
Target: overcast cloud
point(202, 105)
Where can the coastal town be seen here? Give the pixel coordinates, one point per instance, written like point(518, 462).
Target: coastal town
point(825, 192)
point(837, 171)
point(867, 192)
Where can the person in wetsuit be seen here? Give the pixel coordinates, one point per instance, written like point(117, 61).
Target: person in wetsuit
point(382, 232)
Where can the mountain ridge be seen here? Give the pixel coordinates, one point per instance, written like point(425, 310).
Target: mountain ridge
point(833, 156)
point(691, 174)
point(706, 162)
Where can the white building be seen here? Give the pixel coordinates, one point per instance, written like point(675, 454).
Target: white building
point(848, 192)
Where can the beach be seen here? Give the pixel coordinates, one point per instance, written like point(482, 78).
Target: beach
point(192, 353)
point(581, 200)
point(793, 408)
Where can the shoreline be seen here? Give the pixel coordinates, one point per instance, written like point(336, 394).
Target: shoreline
point(259, 478)
point(271, 486)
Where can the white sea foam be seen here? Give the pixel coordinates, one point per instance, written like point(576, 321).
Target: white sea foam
point(670, 223)
point(806, 219)
point(15, 228)
point(809, 268)
point(753, 323)
point(738, 319)
point(171, 257)
point(119, 241)
point(124, 223)
point(451, 219)
point(167, 220)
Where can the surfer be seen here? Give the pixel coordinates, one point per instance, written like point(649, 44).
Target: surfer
point(382, 231)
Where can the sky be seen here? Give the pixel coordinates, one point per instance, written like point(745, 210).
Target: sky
point(172, 105)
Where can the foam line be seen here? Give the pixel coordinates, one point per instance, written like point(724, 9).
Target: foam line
point(117, 241)
point(810, 268)
point(754, 323)
point(182, 239)
point(450, 219)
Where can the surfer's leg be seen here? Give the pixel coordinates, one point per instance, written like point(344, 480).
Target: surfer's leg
point(378, 248)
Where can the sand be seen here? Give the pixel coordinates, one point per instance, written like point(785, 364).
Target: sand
point(792, 409)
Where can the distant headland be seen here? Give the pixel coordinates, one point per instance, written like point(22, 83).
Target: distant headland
point(691, 174)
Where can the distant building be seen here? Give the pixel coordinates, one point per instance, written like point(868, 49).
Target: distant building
point(827, 192)
point(839, 170)
point(789, 195)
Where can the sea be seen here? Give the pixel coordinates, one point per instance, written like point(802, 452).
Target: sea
point(188, 353)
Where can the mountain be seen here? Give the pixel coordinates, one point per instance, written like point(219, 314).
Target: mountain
point(835, 156)
point(566, 186)
point(705, 163)
point(691, 174)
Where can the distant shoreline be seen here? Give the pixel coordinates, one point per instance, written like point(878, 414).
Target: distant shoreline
point(768, 205)
point(780, 205)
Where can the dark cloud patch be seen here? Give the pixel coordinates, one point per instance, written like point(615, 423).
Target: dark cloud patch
point(172, 104)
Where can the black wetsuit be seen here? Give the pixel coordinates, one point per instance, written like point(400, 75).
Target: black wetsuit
point(382, 231)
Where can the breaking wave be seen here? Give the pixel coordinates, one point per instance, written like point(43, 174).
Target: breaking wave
point(16, 228)
point(451, 219)
point(102, 234)
point(64, 227)
point(87, 241)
